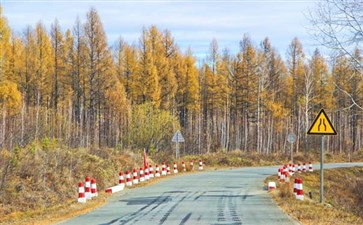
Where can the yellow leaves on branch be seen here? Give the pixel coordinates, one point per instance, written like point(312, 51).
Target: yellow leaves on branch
point(10, 97)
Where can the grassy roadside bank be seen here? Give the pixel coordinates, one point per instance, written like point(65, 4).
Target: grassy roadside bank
point(17, 210)
point(343, 193)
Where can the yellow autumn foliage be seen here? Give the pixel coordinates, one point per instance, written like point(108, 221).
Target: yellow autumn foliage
point(10, 97)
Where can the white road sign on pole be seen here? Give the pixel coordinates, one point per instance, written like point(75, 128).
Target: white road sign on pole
point(291, 138)
point(178, 137)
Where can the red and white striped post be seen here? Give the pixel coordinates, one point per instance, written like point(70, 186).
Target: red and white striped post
point(293, 169)
point(94, 192)
point(299, 168)
point(282, 177)
point(151, 171)
point(200, 165)
point(175, 168)
point(121, 180)
point(287, 177)
point(168, 169)
point(135, 179)
point(299, 189)
point(88, 188)
point(183, 166)
point(310, 167)
point(271, 186)
point(81, 194)
point(128, 179)
point(157, 172)
point(142, 177)
point(295, 186)
point(304, 168)
point(191, 165)
point(290, 169)
point(163, 169)
point(146, 169)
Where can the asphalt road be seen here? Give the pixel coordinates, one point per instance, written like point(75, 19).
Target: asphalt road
point(234, 196)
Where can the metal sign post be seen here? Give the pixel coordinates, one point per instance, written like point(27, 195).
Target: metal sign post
point(322, 126)
point(177, 150)
point(322, 170)
point(291, 138)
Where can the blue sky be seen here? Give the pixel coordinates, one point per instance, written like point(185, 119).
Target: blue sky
point(193, 23)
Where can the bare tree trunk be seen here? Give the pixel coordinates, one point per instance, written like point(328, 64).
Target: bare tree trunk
point(37, 117)
point(22, 122)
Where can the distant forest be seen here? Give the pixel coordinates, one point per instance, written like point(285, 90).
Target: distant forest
point(69, 84)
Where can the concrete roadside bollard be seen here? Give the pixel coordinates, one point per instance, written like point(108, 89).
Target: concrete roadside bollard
point(163, 169)
point(191, 165)
point(282, 177)
point(183, 166)
point(88, 188)
point(151, 171)
point(200, 165)
point(135, 179)
point(142, 177)
point(299, 168)
point(295, 186)
point(293, 169)
point(271, 186)
point(94, 192)
point(157, 172)
point(290, 170)
point(146, 169)
point(81, 194)
point(287, 177)
point(299, 190)
point(286, 169)
point(128, 179)
point(304, 168)
point(121, 179)
point(175, 168)
point(310, 167)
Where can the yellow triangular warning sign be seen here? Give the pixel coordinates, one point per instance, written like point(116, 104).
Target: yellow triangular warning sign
point(322, 125)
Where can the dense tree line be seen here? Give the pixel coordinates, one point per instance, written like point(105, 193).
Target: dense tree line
point(73, 86)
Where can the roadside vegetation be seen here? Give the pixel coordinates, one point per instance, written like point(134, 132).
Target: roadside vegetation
point(39, 185)
point(343, 197)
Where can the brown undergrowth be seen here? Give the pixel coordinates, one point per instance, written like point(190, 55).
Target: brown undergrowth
point(343, 195)
point(39, 181)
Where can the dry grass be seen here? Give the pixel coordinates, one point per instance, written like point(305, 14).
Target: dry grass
point(54, 214)
point(41, 188)
point(342, 200)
